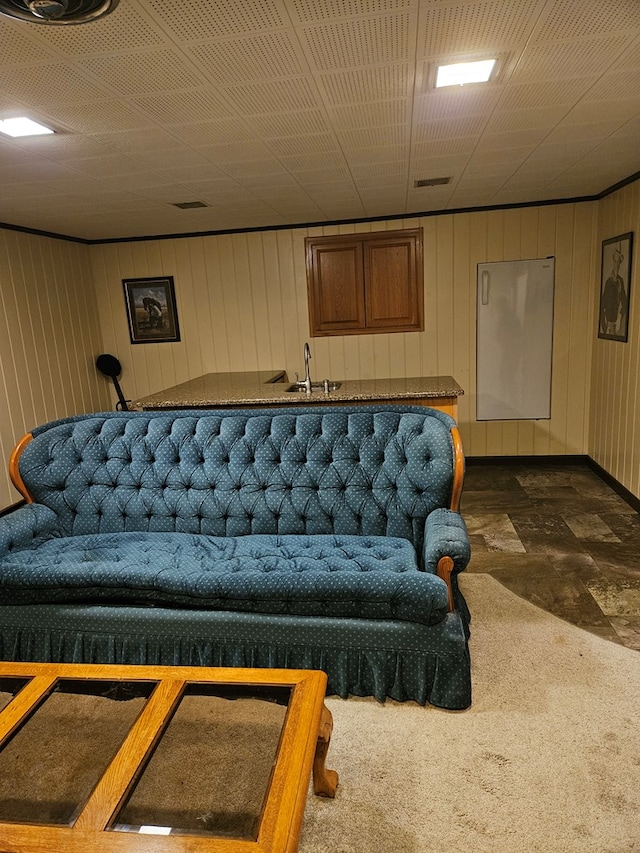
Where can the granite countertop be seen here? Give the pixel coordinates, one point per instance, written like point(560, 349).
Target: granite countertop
point(268, 387)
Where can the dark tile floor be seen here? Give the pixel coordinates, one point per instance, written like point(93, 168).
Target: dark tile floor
point(560, 537)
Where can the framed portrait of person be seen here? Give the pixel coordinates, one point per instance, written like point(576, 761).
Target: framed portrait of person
point(151, 310)
point(615, 288)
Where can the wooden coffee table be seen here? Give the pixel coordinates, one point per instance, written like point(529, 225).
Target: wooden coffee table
point(159, 759)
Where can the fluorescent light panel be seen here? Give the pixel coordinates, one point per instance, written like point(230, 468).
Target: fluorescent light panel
point(23, 126)
point(464, 72)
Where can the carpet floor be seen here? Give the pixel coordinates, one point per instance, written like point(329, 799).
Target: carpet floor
point(546, 759)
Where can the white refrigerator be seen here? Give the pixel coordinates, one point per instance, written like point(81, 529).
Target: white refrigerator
point(514, 340)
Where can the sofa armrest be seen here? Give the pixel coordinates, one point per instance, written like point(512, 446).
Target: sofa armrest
point(446, 548)
point(27, 527)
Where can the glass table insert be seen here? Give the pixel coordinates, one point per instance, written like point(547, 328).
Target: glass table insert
point(199, 758)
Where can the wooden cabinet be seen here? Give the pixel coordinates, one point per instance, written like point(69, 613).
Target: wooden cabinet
point(365, 283)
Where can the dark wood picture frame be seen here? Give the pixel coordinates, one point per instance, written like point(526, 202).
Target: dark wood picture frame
point(151, 310)
point(615, 288)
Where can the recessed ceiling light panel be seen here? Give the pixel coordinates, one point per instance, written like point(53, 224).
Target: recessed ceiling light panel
point(57, 12)
point(22, 126)
point(461, 73)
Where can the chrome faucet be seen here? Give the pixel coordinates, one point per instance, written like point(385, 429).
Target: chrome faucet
point(306, 382)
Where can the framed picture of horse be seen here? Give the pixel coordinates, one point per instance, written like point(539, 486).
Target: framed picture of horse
point(151, 310)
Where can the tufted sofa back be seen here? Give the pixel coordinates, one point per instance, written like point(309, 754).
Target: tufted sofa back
point(351, 470)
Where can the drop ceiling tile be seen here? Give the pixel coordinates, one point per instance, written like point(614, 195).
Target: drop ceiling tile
point(97, 117)
point(319, 143)
point(629, 58)
point(458, 103)
point(308, 11)
point(240, 152)
point(166, 193)
point(256, 177)
point(540, 120)
point(380, 185)
point(274, 96)
point(142, 72)
point(619, 85)
point(185, 107)
point(614, 110)
point(61, 146)
point(181, 174)
point(58, 83)
point(524, 96)
point(449, 128)
point(220, 132)
point(200, 20)
point(565, 19)
point(303, 162)
point(318, 176)
point(297, 123)
point(253, 58)
point(471, 28)
point(106, 165)
point(629, 129)
point(366, 158)
point(139, 140)
point(352, 141)
point(366, 85)
point(515, 139)
point(562, 59)
point(388, 168)
point(437, 167)
point(18, 47)
point(364, 41)
point(167, 158)
point(125, 28)
point(494, 157)
point(442, 147)
point(488, 170)
point(569, 131)
point(370, 115)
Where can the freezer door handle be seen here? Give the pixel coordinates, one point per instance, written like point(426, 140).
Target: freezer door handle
point(485, 287)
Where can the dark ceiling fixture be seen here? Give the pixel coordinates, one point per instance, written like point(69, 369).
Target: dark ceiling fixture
point(189, 205)
point(431, 182)
point(57, 12)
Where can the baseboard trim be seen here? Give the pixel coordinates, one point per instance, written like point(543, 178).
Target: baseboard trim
point(567, 459)
point(617, 487)
point(570, 459)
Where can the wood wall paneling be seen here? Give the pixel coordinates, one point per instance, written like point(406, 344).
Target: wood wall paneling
point(50, 335)
point(242, 305)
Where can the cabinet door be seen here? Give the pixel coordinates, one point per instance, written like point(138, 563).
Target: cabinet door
point(393, 283)
point(336, 286)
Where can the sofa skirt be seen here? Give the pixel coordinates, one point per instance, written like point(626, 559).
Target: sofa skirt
point(400, 660)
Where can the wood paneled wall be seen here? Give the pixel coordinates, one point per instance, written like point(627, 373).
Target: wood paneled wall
point(49, 338)
point(615, 390)
point(243, 305)
point(242, 302)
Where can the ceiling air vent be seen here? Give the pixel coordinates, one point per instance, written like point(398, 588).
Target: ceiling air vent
point(189, 205)
point(431, 182)
point(57, 12)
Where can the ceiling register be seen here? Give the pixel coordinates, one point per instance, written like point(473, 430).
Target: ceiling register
point(57, 12)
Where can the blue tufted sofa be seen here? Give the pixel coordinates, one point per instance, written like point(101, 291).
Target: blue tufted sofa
point(305, 537)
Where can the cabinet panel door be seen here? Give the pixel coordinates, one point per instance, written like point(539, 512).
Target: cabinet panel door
point(393, 269)
point(336, 287)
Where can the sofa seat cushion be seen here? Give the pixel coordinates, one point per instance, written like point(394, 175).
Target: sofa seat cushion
point(371, 577)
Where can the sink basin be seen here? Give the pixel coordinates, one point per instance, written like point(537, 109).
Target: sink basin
point(333, 386)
